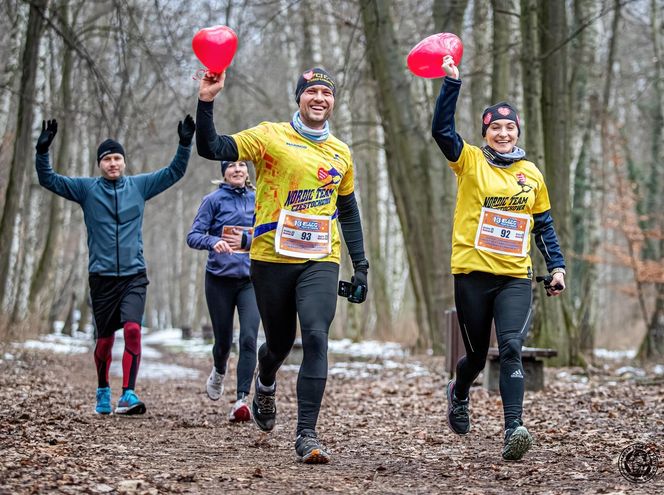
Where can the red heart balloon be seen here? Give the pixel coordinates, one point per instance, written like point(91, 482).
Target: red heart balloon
point(215, 47)
point(426, 58)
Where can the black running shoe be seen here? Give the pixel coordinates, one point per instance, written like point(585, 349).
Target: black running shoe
point(309, 449)
point(517, 441)
point(458, 418)
point(264, 408)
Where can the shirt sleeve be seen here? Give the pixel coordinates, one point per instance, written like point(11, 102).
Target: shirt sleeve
point(251, 143)
point(351, 226)
point(542, 202)
point(209, 144)
point(347, 185)
point(547, 241)
point(71, 188)
point(443, 127)
point(156, 182)
point(198, 237)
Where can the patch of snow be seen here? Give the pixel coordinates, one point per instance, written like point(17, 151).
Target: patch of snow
point(658, 369)
point(367, 348)
point(58, 343)
point(151, 370)
point(630, 370)
point(172, 339)
point(615, 355)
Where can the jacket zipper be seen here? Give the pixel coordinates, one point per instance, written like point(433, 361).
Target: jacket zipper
point(117, 231)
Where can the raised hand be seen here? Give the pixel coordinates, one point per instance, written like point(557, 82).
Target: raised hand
point(210, 85)
point(450, 68)
point(48, 132)
point(186, 130)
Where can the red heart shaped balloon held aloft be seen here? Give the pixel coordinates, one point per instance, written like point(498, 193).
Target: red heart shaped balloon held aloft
point(426, 58)
point(215, 47)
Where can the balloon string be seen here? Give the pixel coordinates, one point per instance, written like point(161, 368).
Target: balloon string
point(199, 74)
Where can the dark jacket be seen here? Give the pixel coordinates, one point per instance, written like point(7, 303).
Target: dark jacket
point(225, 206)
point(113, 210)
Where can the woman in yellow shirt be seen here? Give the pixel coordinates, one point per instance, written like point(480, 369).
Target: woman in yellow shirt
point(501, 200)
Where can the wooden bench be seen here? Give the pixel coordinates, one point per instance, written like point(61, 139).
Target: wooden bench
point(533, 367)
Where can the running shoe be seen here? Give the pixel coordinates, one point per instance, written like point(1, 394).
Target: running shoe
point(458, 418)
point(215, 384)
point(264, 407)
point(129, 404)
point(309, 449)
point(517, 441)
point(104, 401)
point(240, 411)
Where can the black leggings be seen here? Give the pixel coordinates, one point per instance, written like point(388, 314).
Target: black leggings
point(223, 294)
point(285, 292)
point(481, 298)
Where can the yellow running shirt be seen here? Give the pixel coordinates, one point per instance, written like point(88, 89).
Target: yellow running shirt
point(494, 211)
point(295, 174)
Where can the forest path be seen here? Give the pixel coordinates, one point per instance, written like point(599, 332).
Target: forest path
point(384, 426)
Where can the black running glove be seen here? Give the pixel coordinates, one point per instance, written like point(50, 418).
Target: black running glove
point(359, 281)
point(186, 130)
point(48, 132)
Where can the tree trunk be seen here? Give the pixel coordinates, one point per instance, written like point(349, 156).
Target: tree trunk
point(652, 347)
point(554, 323)
point(533, 134)
point(43, 275)
point(23, 157)
point(480, 82)
point(504, 14)
point(448, 16)
point(413, 173)
point(583, 273)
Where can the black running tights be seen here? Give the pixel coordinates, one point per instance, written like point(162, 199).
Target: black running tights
point(483, 297)
point(286, 292)
point(223, 295)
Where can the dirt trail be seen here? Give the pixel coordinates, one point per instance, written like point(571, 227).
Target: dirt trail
point(385, 430)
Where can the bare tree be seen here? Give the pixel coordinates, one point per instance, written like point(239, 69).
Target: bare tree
point(409, 154)
point(23, 145)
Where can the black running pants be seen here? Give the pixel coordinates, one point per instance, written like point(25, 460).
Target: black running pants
point(483, 297)
point(223, 295)
point(286, 292)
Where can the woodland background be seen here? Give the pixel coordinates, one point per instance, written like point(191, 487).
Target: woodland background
point(586, 75)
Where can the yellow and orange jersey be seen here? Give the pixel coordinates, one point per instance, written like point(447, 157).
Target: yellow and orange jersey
point(494, 212)
point(294, 174)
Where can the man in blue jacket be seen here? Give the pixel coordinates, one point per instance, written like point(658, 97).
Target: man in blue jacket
point(113, 207)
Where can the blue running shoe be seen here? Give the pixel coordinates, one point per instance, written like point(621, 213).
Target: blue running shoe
point(130, 404)
point(104, 401)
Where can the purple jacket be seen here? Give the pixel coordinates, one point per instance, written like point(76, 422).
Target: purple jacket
point(230, 207)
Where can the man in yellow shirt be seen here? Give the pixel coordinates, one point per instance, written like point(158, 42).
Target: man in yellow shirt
point(305, 183)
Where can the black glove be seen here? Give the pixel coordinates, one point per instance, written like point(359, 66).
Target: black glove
point(359, 281)
point(48, 132)
point(186, 130)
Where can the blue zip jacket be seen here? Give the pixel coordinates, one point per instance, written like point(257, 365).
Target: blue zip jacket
point(225, 206)
point(113, 210)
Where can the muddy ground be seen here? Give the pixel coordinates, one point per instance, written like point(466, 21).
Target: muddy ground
point(385, 431)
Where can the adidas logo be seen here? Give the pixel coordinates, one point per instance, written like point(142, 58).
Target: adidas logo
point(516, 374)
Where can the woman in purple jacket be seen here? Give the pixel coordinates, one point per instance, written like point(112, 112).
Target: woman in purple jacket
point(223, 226)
